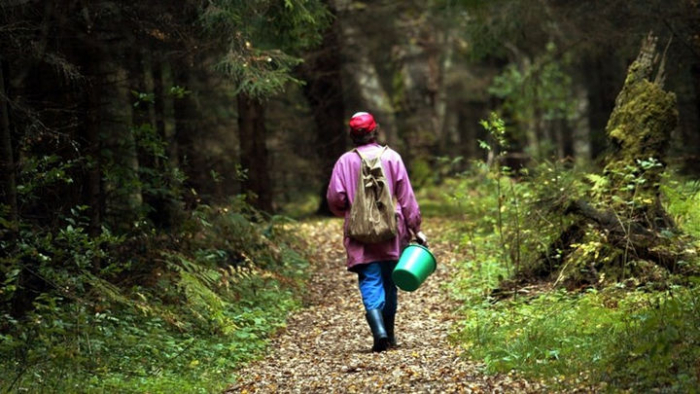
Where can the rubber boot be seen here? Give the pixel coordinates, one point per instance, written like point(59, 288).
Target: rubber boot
point(389, 325)
point(376, 324)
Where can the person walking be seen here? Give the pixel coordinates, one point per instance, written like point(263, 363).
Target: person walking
point(374, 262)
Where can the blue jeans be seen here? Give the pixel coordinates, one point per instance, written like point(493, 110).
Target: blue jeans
point(376, 286)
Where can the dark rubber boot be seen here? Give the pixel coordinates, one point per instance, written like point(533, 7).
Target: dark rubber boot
point(389, 325)
point(376, 323)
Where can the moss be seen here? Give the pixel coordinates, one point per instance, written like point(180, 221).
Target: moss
point(641, 126)
point(639, 130)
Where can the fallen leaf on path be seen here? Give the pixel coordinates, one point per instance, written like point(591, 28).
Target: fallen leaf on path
point(326, 346)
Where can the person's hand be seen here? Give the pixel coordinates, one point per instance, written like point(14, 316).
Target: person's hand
point(421, 239)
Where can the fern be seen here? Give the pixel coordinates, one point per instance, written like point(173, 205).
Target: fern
point(204, 274)
point(599, 184)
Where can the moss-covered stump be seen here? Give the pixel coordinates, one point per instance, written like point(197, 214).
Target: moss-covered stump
point(639, 130)
point(625, 232)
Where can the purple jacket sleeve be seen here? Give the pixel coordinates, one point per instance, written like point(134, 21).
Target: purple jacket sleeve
point(406, 198)
point(337, 194)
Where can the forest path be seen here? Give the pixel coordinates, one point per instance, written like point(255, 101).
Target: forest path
point(326, 346)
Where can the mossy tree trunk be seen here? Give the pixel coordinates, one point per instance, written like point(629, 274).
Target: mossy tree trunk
point(639, 130)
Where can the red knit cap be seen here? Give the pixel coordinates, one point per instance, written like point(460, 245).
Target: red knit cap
point(362, 123)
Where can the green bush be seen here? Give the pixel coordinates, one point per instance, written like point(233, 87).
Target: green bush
point(161, 313)
point(681, 200)
point(620, 336)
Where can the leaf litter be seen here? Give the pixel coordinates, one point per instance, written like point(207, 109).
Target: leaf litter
point(325, 347)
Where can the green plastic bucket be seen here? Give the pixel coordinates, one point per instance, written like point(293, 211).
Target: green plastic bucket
point(415, 265)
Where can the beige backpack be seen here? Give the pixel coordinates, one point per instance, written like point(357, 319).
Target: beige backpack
point(372, 215)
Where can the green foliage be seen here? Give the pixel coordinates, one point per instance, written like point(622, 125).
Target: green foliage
point(42, 171)
point(681, 200)
point(154, 316)
point(659, 345)
point(543, 86)
point(527, 212)
point(541, 91)
point(486, 30)
point(610, 339)
point(496, 127)
point(421, 173)
point(640, 341)
point(260, 73)
point(520, 207)
point(303, 205)
point(263, 39)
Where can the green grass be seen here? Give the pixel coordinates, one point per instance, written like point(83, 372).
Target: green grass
point(629, 340)
point(614, 339)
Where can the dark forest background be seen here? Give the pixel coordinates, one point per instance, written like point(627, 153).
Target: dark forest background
point(147, 106)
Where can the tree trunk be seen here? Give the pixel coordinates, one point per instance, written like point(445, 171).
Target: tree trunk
point(694, 139)
point(421, 98)
point(602, 89)
point(322, 72)
point(7, 161)
point(253, 141)
point(169, 114)
point(443, 55)
point(639, 130)
point(581, 133)
point(89, 135)
point(564, 138)
point(182, 146)
point(159, 103)
point(93, 189)
point(123, 193)
point(143, 114)
point(641, 240)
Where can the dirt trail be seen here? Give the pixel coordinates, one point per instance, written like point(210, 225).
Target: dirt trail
point(326, 346)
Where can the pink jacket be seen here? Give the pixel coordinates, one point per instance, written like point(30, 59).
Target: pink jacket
point(341, 193)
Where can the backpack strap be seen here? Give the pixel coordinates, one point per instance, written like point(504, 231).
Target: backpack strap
point(363, 158)
point(382, 151)
point(359, 154)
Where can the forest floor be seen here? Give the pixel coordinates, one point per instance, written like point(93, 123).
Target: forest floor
point(326, 345)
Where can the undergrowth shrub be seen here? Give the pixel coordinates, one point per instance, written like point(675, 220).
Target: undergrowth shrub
point(579, 315)
point(163, 311)
point(612, 336)
point(520, 209)
point(681, 199)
